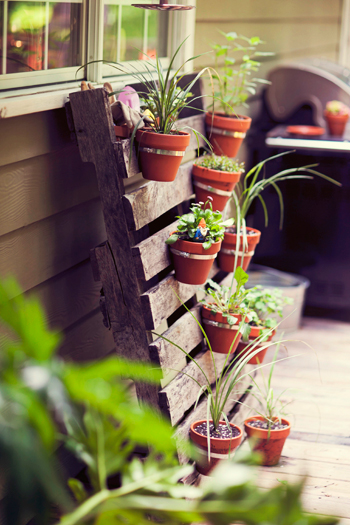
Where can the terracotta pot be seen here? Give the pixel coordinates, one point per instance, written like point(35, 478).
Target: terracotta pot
point(259, 357)
point(270, 447)
point(214, 183)
point(160, 155)
point(219, 448)
point(226, 134)
point(222, 336)
point(122, 132)
point(192, 262)
point(227, 253)
point(336, 123)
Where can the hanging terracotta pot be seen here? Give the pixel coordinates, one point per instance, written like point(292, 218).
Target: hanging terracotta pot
point(223, 337)
point(225, 133)
point(270, 446)
point(228, 254)
point(160, 155)
point(336, 123)
point(219, 448)
point(214, 183)
point(242, 347)
point(192, 262)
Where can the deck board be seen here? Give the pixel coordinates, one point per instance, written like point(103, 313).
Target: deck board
point(319, 444)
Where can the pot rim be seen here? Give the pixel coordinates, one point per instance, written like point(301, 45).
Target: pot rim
point(337, 117)
point(228, 117)
point(233, 174)
point(275, 431)
point(257, 232)
point(153, 132)
point(216, 440)
point(187, 245)
point(223, 320)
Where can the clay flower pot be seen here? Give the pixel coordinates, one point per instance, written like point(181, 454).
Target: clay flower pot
point(160, 155)
point(242, 347)
point(214, 183)
point(269, 446)
point(336, 123)
point(219, 448)
point(228, 254)
point(226, 134)
point(192, 262)
point(122, 132)
point(221, 335)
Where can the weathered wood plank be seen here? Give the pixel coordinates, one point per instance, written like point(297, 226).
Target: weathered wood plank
point(185, 332)
point(161, 301)
point(152, 199)
point(201, 412)
point(153, 255)
point(96, 139)
point(181, 393)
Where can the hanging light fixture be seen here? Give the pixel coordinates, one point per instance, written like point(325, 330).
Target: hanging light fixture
point(164, 6)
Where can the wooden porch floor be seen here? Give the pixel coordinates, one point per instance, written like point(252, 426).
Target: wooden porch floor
point(319, 443)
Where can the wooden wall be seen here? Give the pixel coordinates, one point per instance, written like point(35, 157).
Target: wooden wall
point(292, 29)
point(50, 217)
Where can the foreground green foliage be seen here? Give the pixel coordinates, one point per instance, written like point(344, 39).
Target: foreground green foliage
point(102, 425)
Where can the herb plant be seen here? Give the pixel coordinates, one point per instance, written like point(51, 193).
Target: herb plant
point(201, 219)
point(220, 163)
point(221, 299)
point(271, 407)
point(236, 83)
point(262, 302)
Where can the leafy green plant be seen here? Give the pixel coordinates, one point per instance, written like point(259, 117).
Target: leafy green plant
point(220, 298)
point(262, 302)
point(220, 163)
point(202, 224)
point(103, 425)
point(236, 84)
point(335, 107)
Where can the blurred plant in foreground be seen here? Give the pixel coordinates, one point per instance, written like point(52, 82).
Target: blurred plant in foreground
point(40, 395)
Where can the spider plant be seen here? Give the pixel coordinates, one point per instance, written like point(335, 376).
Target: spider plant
point(252, 186)
point(271, 407)
point(160, 92)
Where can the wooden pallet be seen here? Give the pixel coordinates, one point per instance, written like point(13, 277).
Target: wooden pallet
point(134, 264)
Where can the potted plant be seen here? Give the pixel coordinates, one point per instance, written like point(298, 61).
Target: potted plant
point(237, 250)
point(262, 303)
point(268, 431)
point(225, 314)
point(336, 115)
point(215, 438)
point(226, 129)
point(196, 242)
point(161, 145)
point(216, 177)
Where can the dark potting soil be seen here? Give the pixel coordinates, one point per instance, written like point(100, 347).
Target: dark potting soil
point(222, 431)
point(257, 423)
point(232, 229)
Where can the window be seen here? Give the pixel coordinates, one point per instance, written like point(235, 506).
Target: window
point(46, 42)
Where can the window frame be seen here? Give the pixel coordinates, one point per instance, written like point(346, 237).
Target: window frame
point(92, 25)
